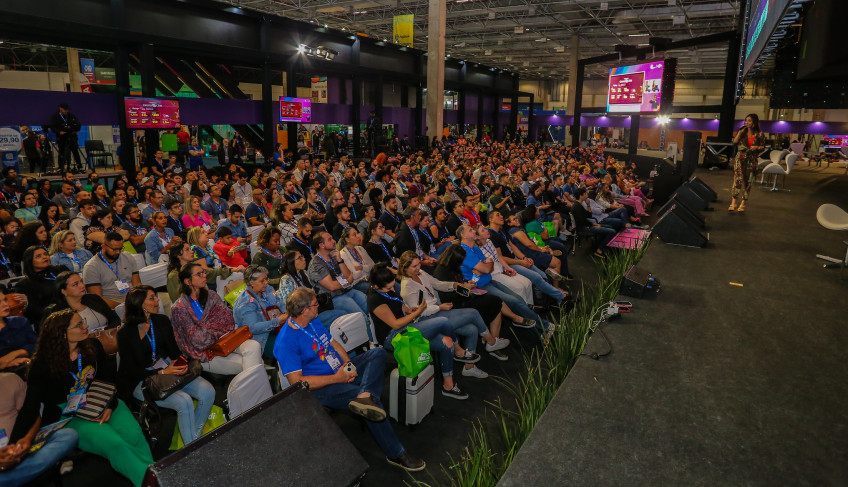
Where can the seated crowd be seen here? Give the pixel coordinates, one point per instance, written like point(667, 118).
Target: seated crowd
point(459, 243)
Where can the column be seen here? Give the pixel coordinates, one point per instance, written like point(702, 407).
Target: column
point(73, 68)
point(291, 90)
point(480, 115)
point(269, 123)
point(126, 154)
point(531, 127)
point(574, 102)
point(437, 17)
point(148, 88)
point(356, 100)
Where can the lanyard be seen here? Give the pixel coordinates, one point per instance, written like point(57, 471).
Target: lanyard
point(500, 233)
point(74, 258)
point(353, 211)
point(151, 337)
point(397, 220)
point(426, 233)
point(138, 229)
point(70, 201)
point(110, 265)
point(291, 197)
point(198, 310)
point(3, 260)
point(319, 350)
point(301, 242)
point(163, 237)
point(31, 210)
point(179, 225)
point(216, 205)
point(278, 256)
point(119, 218)
point(355, 255)
point(332, 268)
point(414, 235)
point(381, 293)
point(78, 376)
point(384, 248)
point(261, 210)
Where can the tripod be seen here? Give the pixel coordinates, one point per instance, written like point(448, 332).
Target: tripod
point(78, 166)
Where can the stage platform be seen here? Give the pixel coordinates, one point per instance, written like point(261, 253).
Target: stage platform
point(734, 375)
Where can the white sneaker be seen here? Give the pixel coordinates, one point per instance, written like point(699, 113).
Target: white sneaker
point(474, 372)
point(500, 344)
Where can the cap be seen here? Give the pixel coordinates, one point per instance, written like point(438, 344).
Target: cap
point(144, 180)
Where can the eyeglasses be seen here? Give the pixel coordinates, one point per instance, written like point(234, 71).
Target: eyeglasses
point(200, 273)
point(300, 257)
point(313, 305)
point(81, 325)
point(114, 249)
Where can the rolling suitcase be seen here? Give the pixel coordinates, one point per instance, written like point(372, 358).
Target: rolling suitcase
point(411, 398)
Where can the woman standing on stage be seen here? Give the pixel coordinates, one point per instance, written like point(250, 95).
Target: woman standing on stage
point(749, 141)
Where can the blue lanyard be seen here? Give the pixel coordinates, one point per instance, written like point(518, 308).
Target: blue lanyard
point(426, 233)
point(198, 310)
point(110, 265)
point(70, 201)
point(73, 257)
point(318, 349)
point(353, 211)
point(499, 233)
point(414, 235)
point(261, 210)
point(3, 260)
point(102, 203)
point(163, 237)
point(301, 242)
point(51, 278)
point(397, 220)
point(278, 256)
point(216, 205)
point(151, 337)
point(138, 229)
point(179, 225)
point(259, 299)
point(119, 218)
point(355, 255)
point(78, 376)
point(381, 293)
point(384, 248)
point(332, 268)
point(31, 210)
point(292, 198)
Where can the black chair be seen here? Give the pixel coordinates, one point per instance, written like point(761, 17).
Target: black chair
point(97, 152)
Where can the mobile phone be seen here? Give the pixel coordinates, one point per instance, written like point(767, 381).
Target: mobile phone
point(420, 297)
point(180, 362)
point(350, 368)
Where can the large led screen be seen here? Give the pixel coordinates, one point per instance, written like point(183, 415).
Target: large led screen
point(638, 88)
point(295, 109)
point(152, 113)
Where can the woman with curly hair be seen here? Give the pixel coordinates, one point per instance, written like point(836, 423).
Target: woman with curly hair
point(65, 361)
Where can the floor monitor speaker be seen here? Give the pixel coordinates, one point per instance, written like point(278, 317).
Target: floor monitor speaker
point(702, 189)
point(287, 440)
point(676, 228)
point(691, 197)
point(678, 204)
point(638, 281)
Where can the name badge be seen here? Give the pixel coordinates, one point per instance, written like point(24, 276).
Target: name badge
point(341, 280)
point(160, 364)
point(205, 227)
point(333, 361)
point(122, 286)
point(4, 438)
point(76, 400)
point(394, 262)
point(273, 312)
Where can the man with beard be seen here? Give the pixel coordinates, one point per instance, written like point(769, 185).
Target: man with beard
point(136, 226)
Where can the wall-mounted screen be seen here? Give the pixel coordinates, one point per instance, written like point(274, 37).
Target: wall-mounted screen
point(152, 113)
point(834, 141)
point(764, 17)
point(295, 109)
point(641, 88)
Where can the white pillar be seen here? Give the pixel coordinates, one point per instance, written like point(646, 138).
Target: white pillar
point(73, 68)
point(437, 17)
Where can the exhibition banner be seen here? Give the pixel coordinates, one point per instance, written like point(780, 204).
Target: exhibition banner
point(402, 27)
point(87, 69)
point(319, 89)
point(10, 145)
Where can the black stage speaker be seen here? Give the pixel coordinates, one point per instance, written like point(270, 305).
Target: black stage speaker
point(691, 197)
point(702, 189)
point(638, 281)
point(691, 153)
point(676, 228)
point(679, 205)
point(287, 440)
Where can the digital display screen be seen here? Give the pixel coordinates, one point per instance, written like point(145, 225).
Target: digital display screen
point(835, 141)
point(152, 113)
point(295, 109)
point(764, 17)
point(636, 89)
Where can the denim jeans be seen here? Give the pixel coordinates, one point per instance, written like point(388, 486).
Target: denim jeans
point(60, 444)
point(440, 249)
point(369, 367)
point(190, 419)
point(537, 277)
point(605, 233)
point(434, 330)
point(514, 302)
point(467, 323)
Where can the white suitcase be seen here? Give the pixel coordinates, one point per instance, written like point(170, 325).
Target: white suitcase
point(411, 399)
point(350, 331)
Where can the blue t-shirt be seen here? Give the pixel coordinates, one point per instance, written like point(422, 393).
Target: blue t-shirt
point(300, 349)
point(255, 211)
point(474, 255)
point(239, 231)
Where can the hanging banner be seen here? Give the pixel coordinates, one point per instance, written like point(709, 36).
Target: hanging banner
point(104, 76)
point(10, 145)
point(85, 87)
point(319, 89)
point(402, 26)
point(87, 69)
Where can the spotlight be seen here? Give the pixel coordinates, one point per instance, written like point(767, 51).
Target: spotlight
point(301, 49)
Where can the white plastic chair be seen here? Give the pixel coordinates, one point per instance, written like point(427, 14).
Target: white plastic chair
point(248, 389)
point(775, 157)
point(833, 217)
point(155, 275)
point(777, 170)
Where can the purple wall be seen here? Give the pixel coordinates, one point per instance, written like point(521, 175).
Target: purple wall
point(31, 107)
point(210, 111)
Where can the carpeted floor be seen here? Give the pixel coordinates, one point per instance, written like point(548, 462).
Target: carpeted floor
point(710, 383)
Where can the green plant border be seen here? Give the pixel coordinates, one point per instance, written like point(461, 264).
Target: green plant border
point(495, 439)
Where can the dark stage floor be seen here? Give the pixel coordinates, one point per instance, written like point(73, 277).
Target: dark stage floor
point(714, 384)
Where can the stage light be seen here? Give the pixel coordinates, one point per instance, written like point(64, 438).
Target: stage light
point(301, 49)
point(663, 119)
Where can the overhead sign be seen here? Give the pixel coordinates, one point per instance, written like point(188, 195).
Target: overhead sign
point(87, 69)
point(402, 27)
point(319, 89)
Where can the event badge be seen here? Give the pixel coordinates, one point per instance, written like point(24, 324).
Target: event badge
point(160, 364)
point(4, 438)
point(394, 262)
point(342, 281)
point(76, 400)
point(273, 312)
point(122, 286)
point(333, 361)
point(205, 227)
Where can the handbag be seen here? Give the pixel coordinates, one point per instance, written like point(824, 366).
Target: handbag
point(108, 337)
point(412, 352)
point(229, 341)
point(159, 386)
point(98, 395)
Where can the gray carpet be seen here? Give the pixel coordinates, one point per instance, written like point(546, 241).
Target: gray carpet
point(710, 383)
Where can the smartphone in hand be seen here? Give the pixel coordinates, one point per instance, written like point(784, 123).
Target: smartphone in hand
point(181, 362)
point(420, 297)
